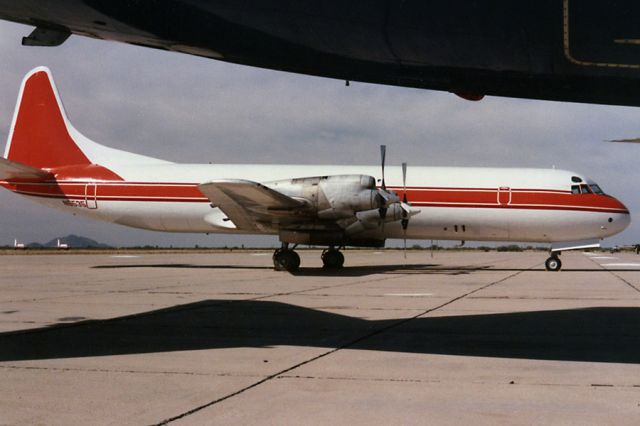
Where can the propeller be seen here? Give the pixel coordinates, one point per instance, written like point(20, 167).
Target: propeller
point(383, 154)
point(382, 200)
point(405, 212)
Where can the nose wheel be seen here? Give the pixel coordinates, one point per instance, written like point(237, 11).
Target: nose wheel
point(332, 259)
point(553, 263)
point(285, 259)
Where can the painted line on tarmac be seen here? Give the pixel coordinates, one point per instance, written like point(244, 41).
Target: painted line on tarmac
point(632, 265)
point(408, 294)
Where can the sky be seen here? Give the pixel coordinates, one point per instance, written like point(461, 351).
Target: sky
point(187, 109)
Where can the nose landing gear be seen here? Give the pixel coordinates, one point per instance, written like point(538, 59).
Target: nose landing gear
point(553, 263)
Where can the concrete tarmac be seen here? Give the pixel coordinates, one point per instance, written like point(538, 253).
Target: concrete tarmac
point(461, 338)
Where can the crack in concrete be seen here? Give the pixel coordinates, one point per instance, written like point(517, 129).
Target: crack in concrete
point(613, 272)
point(345, 346)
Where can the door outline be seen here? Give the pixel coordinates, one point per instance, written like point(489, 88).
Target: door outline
point(586, 63)
point(504, 195)
point(90, 195)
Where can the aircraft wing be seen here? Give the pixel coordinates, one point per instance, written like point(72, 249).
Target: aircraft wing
point(392, 43)
point(10, 170)
point(630, 140)
point(249, 204)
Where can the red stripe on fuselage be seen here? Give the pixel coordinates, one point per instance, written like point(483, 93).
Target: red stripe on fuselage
point(543, 199)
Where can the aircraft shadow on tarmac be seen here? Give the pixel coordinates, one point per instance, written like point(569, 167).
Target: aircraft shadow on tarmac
point(358, 271)
point(599, 334)
point(352, 271)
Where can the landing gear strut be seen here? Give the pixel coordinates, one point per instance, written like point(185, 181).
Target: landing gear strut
point(332, 258)
point(285, 259)
point(553, 263)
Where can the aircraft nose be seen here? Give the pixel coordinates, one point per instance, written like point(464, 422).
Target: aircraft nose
point(620, 220)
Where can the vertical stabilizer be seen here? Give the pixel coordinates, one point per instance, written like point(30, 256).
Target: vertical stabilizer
point(39, 135)
point(42, 137)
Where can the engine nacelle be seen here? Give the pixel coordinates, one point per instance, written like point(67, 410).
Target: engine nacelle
point(332, 197)
point(371, 219)
point(353, 202)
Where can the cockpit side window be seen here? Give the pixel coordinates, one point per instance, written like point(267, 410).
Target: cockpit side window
point(585, 189)
point(575, 189)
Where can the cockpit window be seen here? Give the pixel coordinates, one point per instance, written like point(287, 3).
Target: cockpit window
point(575, 189)
point(585, 189)
point(596, 189)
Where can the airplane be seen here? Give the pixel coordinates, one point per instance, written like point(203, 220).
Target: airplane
point(563, 50)
point(46, 159)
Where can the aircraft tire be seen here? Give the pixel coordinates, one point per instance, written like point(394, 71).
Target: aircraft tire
point(332, 259)
point(286, 260)
point(553, 264)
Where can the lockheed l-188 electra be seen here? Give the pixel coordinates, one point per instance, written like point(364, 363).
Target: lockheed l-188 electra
point(48, 160)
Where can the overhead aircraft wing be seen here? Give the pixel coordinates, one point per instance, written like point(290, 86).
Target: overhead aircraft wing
point(10, 170)
point(630, 140)
point(249, 204)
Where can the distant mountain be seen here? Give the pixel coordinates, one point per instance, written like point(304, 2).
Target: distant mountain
point(74, 241)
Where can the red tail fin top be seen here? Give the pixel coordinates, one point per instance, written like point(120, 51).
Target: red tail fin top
point(40, 135)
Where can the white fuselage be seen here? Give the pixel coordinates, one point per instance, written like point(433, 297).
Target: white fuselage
point(455, 203)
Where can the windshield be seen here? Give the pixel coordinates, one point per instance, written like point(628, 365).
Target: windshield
point(596, 189)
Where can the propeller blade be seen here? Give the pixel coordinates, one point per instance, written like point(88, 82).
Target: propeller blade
point(406, 210)
point(404, 182)
point(405, 242)
point(383, 154)
point(381, 200)
point(404, 236)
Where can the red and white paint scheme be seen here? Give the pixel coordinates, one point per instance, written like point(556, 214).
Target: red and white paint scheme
point(49, 161)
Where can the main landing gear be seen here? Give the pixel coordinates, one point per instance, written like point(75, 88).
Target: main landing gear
point(332, 258)
point(286, 259)
point(553, 263)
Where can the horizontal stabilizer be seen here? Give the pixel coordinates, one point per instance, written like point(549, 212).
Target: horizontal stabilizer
point(11, 170)
point(246, 203)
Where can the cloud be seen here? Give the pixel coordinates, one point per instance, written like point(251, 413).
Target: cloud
point(189, 109)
